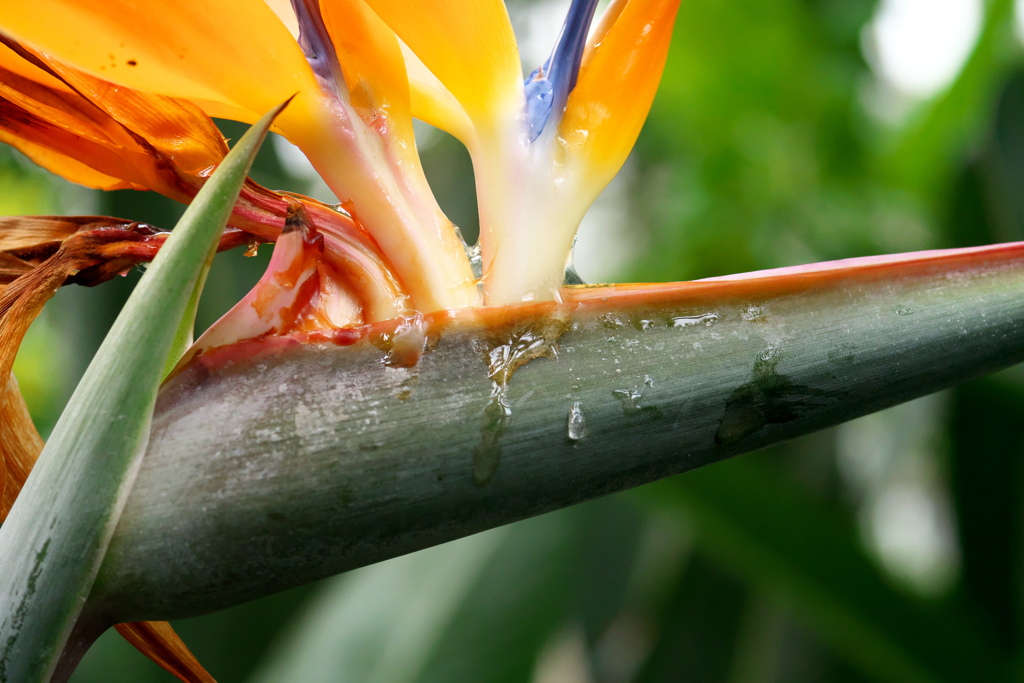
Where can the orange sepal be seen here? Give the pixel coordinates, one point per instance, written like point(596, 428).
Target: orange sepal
point(619, 76)
point(158, 641)
point(232, 51)
point(372, 63)
point(66, 167)
point(65, 151)
point(12, 61)
point(105, 136)
point(469, 47)
point(178, 129)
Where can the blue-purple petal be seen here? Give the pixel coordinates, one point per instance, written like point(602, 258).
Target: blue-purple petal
point(548, 88)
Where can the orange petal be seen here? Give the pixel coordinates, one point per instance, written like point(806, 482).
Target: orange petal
point(469, 46)
point(219, 110)
point(372, 63)
point(233, 51)
point(616, 86)
point(65, 166)
point(176, 128)
point(432, 103)
point(140, 139)
point(158, 641)
point(63, 108)
point(18, 124)
point(10, 61)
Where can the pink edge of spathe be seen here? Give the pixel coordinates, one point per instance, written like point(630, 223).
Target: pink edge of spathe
point(593, 299)
point(867, 261)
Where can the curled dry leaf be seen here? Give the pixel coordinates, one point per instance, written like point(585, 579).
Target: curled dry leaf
point(47, 252)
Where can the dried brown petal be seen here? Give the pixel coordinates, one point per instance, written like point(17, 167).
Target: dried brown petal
point(20, 444)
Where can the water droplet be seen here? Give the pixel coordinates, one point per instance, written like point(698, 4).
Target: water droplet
point(537, 340)
point(646, 324)
point(904, 310)
point(252, 248)
point(403, 392)
point(706, 319)
point(649, 381)
point(340, 208)
point(577, 422)
point(497, 418)
point(755, 313)
point(516, 348)
point(476, 259)
point(611, 321)
point(404, 345)
point(630, 398)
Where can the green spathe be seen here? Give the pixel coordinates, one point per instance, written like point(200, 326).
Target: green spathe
point(293, 462)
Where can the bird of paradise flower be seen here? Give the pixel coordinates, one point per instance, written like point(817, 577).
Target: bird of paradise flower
point(116, 95)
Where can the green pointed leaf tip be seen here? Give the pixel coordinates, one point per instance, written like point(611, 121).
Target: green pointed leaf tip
point(57, 533)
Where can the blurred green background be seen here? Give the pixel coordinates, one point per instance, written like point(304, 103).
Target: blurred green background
point(890, 548)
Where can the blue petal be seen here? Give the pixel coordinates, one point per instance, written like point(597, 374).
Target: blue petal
point(548, 88)
point(539, 91)
point(317, 47)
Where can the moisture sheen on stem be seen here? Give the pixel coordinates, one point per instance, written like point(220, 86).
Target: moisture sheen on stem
point(277, 465)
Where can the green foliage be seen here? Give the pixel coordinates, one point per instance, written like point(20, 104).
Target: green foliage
point(780, 540)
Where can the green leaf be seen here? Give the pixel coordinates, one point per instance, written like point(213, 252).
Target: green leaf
point(476, 610)
point(699, 625)
point(381, 623)
point(785, 544)
point(183, 336)
point(58, 531)
point(986, 468)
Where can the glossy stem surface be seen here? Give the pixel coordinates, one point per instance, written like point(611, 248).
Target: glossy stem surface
point(280, 463)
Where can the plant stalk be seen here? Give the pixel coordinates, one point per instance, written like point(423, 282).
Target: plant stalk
point(275, 464)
